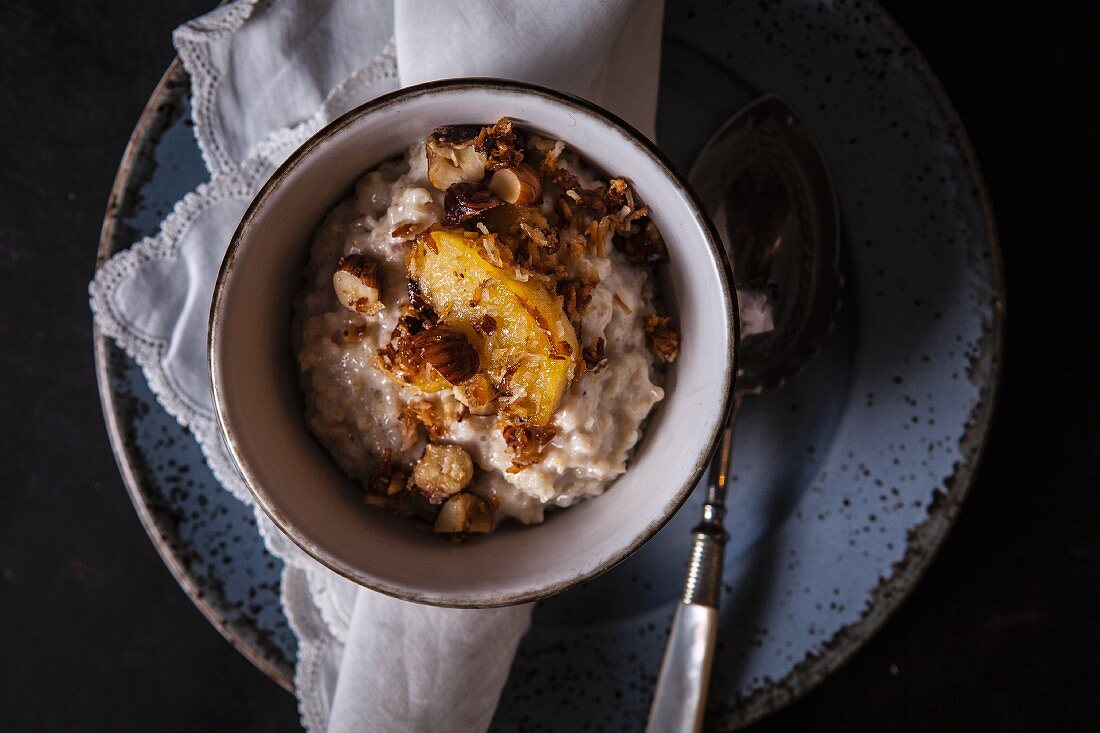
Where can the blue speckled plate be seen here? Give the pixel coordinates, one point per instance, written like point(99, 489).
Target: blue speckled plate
point(846, 480)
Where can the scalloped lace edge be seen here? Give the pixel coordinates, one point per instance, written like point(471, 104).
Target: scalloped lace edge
point(311, 610)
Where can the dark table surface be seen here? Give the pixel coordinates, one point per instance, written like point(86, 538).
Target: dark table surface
point(95, 634)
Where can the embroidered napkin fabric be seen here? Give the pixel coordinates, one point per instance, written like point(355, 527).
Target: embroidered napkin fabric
point(264, 77)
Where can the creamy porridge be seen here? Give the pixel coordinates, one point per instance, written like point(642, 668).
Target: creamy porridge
point(477, 335)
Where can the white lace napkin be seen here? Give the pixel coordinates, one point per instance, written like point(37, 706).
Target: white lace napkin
point(264, 77)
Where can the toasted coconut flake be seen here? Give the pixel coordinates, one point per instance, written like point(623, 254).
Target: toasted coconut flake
point(543, 239)
point(556, 149)
point(421, 412)
point(424, 239)
point(663, 340)
point(527, 443)
point(499, 144)
point(493, 254)
point(595, 357)
point(617, 191)
point(576, 295)
point(644, 247)
point(408, 230)
point(386, 486)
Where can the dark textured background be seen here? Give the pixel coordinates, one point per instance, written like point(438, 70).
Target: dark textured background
point(95, 634)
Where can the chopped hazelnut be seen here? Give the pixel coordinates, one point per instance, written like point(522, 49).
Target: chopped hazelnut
point(452, 157)
point(519, 186)
point(357, 284)
point(478, 395)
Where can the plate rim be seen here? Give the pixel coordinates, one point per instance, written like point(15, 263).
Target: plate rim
point(925, 540)
point(102, 346)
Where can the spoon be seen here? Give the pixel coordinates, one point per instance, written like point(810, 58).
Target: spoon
point(766, 185)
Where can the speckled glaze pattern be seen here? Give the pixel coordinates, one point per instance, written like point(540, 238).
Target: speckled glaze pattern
point(845, 480)
point(208, 539)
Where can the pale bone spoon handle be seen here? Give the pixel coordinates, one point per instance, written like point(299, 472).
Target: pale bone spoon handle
point(680, 699)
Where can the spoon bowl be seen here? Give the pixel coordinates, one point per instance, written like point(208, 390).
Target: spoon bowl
point(765, 183)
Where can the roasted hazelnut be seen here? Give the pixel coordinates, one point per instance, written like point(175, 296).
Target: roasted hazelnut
point(443, 471)
point(465, 513)
point(452, 157)
point(465, 201)
point(519, 185)
point(478, 395)
point(357, 285)
point(449, 351)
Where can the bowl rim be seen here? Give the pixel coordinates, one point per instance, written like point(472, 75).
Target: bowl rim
point(298, 157)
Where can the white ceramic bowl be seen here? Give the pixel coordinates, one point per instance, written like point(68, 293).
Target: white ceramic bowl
point(261, 408)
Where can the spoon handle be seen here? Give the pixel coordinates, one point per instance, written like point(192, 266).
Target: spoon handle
point(680, 698)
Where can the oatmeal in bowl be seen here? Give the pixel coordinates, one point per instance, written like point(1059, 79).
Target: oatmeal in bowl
point(547, 363)
point(478, 336)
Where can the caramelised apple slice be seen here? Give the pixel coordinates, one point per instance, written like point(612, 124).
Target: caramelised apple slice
point(527, 347)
